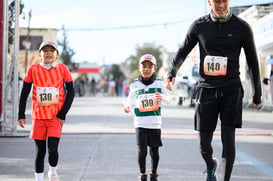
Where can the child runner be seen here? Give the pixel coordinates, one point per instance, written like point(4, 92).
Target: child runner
point(146, 94)
point(51, 82)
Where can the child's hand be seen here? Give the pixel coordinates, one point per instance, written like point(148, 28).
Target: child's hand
point(61, 122)
point(22, 122)
point(158, 97)
point(127, 109)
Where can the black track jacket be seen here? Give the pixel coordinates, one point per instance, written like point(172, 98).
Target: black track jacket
point(221, 39)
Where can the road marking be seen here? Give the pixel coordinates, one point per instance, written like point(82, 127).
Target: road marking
point(256, 163)
point(247, 159)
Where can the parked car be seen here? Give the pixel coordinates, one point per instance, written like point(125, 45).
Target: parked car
point(187, 83)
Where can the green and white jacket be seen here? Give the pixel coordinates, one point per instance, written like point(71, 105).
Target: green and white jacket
point(142, 98)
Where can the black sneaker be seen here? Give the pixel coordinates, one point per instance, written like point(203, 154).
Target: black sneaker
point(211, 174)
point(153, 177)
point(142, 177)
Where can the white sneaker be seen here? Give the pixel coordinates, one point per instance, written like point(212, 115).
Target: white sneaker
point(53, 176)
point(39, 176)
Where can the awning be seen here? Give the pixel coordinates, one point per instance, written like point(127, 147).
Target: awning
point(88, 70)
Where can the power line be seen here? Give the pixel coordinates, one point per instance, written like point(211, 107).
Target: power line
point(127, 27)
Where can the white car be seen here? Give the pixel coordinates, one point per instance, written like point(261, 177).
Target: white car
point(186, 84)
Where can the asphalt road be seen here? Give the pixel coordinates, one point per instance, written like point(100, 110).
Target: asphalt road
point(98, 144)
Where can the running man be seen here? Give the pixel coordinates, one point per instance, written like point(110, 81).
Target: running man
point(220, 36)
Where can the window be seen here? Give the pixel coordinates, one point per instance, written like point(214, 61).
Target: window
point(33, 42)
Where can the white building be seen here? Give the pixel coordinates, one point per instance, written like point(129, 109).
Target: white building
point(260, 17)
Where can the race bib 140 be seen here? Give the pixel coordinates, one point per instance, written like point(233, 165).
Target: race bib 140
point(215, 66)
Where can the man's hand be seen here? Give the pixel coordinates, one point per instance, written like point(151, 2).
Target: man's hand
point(256, 103)
point(255, 106)
point(126, 109)
point(169, 82)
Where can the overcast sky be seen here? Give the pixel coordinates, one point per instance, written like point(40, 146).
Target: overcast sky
point(107, 31)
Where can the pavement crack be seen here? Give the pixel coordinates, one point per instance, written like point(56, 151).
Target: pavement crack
point(89, 159)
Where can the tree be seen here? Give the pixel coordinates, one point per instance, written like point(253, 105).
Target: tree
point(11, 15)
point(150, 48)
point(116, 72)
point(67, 52)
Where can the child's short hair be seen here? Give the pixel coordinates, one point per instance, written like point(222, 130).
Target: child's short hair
point(147, 57)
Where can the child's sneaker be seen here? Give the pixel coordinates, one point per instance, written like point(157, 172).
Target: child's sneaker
point(211, 174)
point(53, 176)
point(154, 177)
point(142, 177)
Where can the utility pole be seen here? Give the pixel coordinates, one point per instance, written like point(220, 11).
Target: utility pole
point(1, 52)
point(27, 42)
point(9, 114)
